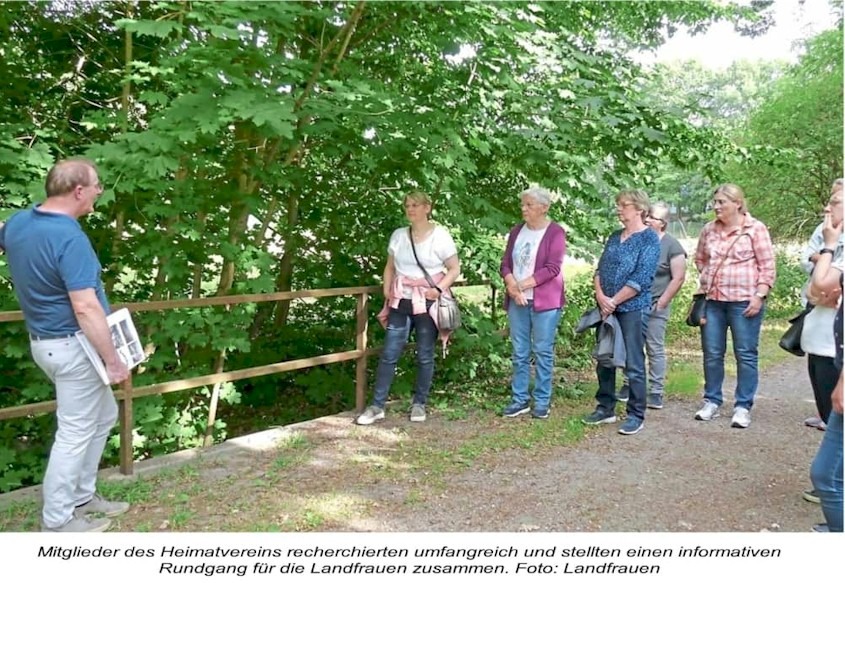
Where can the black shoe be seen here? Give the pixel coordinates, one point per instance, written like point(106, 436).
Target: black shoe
point(623, 394)
point(515, 409)
point(599, 416)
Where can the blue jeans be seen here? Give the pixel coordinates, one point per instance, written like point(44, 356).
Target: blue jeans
point(826, 473)
point(745, 334)
point(399, 324)
point(654, 328)
point(532, 331)
point(632, 324)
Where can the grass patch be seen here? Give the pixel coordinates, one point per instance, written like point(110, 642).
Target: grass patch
point(523, 434)
point(180, 518)
point(684, 379)
point(290, 451)
point(133, 491)
point(20, 516)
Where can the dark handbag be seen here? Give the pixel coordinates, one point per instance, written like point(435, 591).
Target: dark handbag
point(448, 314)
point(791, 339)
point(697, 310)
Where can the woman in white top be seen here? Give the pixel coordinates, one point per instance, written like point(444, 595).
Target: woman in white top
point(410, 301)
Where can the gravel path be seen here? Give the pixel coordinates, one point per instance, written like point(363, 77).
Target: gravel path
point(678, 474)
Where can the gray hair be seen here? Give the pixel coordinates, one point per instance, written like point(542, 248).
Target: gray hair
point(68, 174)
point(837, 185)
point(538, 194)
point(658, 205)
point(663, 206)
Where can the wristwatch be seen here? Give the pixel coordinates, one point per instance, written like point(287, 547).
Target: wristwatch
point(822, 251)
point(762, 296)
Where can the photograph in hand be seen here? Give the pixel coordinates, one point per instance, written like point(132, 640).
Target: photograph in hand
point(125, 339)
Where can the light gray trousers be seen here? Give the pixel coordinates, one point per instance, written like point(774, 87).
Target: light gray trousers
point(655, 349)
point(86, 411)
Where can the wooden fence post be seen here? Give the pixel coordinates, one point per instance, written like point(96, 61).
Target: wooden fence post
point(126, 424)
point(361, 320)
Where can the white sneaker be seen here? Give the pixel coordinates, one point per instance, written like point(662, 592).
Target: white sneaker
point(708, 411)
point(418, 412)
point(369, 416)
point(741, 418)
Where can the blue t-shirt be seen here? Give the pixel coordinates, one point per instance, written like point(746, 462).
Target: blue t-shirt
point(632, 263)
point(48, 256)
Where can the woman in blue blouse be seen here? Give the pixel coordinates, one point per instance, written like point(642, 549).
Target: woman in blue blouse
point(623, 288)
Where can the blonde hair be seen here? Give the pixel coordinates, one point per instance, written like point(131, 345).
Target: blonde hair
point(735, 194)
point(638, 198)
point(418, 197)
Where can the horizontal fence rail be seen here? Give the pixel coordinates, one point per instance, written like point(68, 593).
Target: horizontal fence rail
point(127, 392)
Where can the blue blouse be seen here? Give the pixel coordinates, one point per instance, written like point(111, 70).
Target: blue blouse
point(631, 263)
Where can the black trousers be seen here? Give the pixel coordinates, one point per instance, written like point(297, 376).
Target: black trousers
point(823, 377)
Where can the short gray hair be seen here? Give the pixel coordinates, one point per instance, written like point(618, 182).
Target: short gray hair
point(538, 194)
point(68, 174)
point(663, 206)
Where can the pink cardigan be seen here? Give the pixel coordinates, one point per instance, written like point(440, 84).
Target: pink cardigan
point(418, 288)
point(549, 292)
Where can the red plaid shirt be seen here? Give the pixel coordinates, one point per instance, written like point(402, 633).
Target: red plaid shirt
point(750, 261)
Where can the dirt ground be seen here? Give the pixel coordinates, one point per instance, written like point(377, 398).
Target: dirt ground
point(678, 474)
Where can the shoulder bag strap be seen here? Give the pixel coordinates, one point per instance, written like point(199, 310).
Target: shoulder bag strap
point(419, 264)
point(718, 268)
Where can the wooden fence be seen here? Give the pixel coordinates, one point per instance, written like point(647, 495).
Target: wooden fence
point(127, 392)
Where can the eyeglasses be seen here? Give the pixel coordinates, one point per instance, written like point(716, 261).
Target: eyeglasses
point(718, 202)
point(625, 204)
point(656, 219)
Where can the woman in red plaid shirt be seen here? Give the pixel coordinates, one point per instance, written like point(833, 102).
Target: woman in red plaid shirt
point(737, 265)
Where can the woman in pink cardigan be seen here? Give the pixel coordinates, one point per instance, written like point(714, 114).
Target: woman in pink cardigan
point(532, 271)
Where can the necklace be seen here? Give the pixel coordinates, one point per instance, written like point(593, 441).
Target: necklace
point(419, 236)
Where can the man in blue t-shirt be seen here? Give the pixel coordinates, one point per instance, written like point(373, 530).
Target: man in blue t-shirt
point(56, 276)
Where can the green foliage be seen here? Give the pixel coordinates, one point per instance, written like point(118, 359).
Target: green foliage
point(796, 141)
point(721, 100)
point(784, 300)
point(254, 147)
